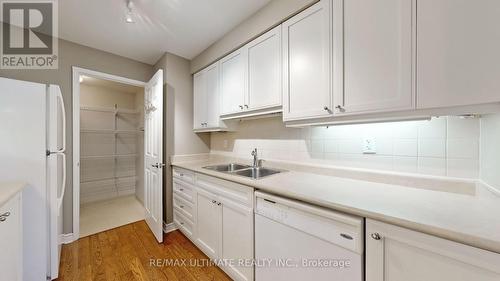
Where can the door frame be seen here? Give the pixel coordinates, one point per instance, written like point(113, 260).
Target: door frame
point(77, 72)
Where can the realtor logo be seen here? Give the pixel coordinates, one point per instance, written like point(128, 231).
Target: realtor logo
point(29, 35)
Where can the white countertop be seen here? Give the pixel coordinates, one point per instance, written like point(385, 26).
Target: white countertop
point(8, 190)
point(472, 219)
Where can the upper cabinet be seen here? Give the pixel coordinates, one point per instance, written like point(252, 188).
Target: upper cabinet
point(306, 45)
point(377, 54)
point(251, 77)
point(458, 58)
point(264, 71)
point(206, 100)
point(232, 82)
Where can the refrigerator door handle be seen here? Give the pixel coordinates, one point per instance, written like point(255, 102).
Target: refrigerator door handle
point(63, 187)
point(63, 112)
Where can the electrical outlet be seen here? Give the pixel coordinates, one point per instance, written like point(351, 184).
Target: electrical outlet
point(369, 146)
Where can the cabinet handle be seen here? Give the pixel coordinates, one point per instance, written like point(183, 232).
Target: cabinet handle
point(182, 223)
point(3, 217)
point(181, 189)
point(241, 106)
point(181, 174)
point(219, 203)
point(326, 108)
point(213, 201)
point(340, 108)
point(246, 105)
point(376, 236)
point(181, 206)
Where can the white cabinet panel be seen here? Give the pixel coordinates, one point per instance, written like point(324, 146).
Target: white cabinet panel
point(233, 73)
point(402, 254)
point(377, 56)
point(306, 63)
point(206, 99)
point(458, 59)
point(237, 237)
point(212, 97)
point(200, 100)
point(208, 223)
point(11, 265)
point(264, 70)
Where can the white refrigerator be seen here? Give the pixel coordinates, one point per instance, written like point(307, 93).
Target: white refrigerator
point(32, 150)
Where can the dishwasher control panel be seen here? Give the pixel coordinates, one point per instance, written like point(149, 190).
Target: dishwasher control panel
point(335, 227)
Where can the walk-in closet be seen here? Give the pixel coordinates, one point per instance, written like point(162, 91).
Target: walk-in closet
point(111, 154)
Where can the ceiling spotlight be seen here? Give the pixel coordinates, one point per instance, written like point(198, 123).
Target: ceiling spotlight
point(129, 17)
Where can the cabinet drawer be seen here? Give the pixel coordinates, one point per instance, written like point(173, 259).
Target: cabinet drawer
point(184, 225)
point(183, 206)
point(184, 175)
point(236, 192)
point(184, 190)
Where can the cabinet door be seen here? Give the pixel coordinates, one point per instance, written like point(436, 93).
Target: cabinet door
point(402, 254)
point(264, 70)
point(212, 96)
point(306, 63)
point(377, 56)
point(458, 57)
point(208, 223)
point(232, 82)
point(237, 238)
point(10, 241)
point(199, 100)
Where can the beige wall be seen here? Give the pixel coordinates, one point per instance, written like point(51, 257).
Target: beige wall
point(180, 139)
point(71, 54)
point(268, 16)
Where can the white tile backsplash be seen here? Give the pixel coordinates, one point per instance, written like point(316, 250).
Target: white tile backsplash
point(441, 146)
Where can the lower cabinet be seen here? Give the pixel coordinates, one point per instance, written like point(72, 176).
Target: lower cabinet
point(220, 221)
point(209, 223)
point(395, 253)
point(11, 236)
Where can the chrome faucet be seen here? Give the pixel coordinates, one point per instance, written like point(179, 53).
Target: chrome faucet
point(255, 158)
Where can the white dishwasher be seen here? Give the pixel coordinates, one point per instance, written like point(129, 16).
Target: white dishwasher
point(298, 241)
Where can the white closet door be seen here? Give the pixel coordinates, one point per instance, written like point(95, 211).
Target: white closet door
point(153, 154)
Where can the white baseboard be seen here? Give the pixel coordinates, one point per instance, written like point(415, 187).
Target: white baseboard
point(169, 227)
point(67, 238)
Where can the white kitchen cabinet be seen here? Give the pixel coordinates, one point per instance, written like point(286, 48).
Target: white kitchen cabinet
point(206, 100)
point(378, 38)
point(225, 224)
point(306, 43)
point(11, 265)
point(233, 82)
point(264, 71)
point(458, 59)
point(199, 100)
point(209, 220)
point(237, 237)
point(394, 254)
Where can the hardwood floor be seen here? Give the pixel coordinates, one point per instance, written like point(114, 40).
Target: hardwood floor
point(128, 253)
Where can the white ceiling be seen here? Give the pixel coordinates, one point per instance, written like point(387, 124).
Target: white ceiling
point(181, 27)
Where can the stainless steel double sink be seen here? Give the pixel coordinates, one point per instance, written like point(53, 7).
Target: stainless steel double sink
point(244, 170)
